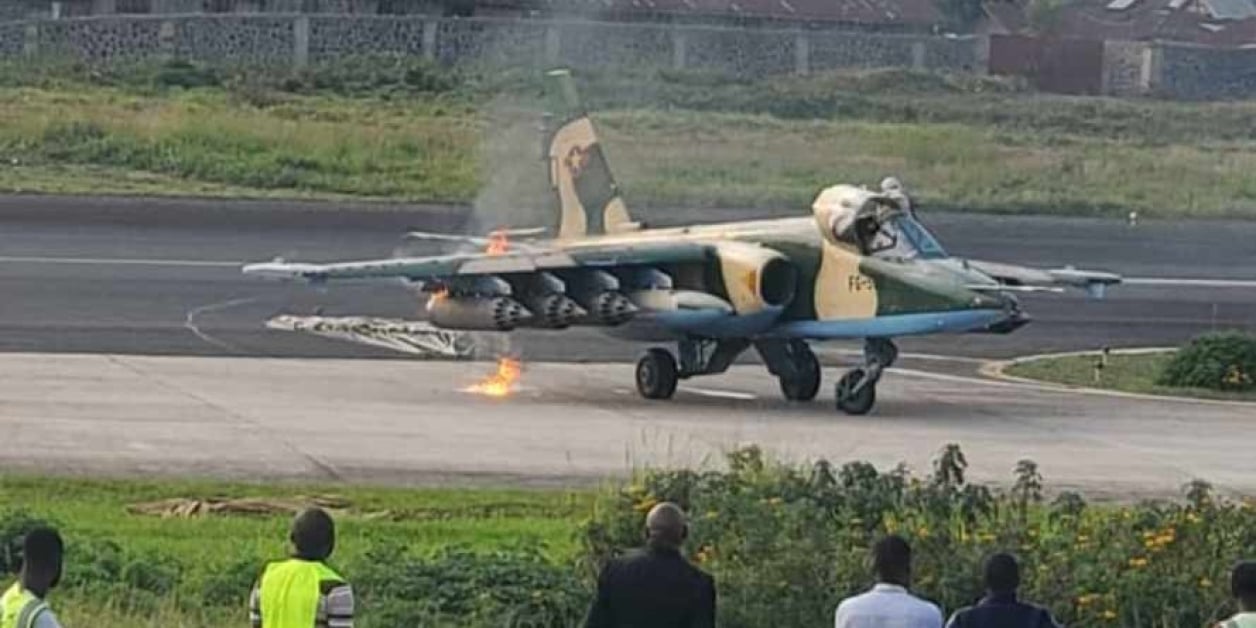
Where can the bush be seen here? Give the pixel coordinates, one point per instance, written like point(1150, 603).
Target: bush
point(516, 588)
point(1218, 361)
point(14, 524)
point(786, 543)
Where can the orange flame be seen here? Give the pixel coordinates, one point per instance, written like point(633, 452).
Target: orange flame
point(497, 243)
point(500, 383)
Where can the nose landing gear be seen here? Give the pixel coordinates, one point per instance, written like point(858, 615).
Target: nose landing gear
point(856, 392)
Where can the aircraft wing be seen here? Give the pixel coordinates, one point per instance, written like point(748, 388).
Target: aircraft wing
point(1094, 282)
point(511, 262)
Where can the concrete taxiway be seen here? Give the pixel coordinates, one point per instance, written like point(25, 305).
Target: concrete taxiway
point(408, 422)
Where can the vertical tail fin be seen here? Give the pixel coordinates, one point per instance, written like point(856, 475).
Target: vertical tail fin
point(588, 198)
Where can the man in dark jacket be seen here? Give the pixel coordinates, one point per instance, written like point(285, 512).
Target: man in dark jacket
point(655, 587)
point(1000, 608)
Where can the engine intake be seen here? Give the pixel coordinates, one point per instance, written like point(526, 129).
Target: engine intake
point(756, 278)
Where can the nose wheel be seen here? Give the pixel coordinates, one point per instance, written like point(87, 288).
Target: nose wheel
point(854, 395)
point(657, 375)
point(856, 392)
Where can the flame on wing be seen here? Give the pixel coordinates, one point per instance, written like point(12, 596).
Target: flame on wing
point(502, 382)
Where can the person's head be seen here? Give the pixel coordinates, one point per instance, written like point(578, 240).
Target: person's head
point(1243, 585)
point(313, 534)
point(891, 184)
point(42, 551)
point(665, 526)
point(891, 560)
point(1002, 574)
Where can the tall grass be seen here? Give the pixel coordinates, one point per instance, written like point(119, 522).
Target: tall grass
point(961, 143)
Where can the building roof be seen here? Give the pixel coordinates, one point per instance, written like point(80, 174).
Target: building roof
point(1220, 23)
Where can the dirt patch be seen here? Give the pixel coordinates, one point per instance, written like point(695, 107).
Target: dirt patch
point(186, 507)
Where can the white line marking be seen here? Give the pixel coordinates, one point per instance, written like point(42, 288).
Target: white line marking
point(1197, 283)
point(720, 394)
point(190, 322)
point(114, 261)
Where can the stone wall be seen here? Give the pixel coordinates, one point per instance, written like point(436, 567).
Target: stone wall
point(1129, 68)
point(294, 38)
point(1204, 73)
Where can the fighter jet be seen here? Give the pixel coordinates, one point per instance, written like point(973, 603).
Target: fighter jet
point(861, 266)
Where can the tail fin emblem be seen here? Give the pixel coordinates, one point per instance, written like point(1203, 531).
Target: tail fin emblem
point(577, 159)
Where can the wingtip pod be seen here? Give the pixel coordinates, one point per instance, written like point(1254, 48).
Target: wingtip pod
point(282, 270)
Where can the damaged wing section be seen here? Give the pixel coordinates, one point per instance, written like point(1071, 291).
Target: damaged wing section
point(410, 337)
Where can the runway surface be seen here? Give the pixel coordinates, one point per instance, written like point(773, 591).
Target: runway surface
point(160, 276)
point(408, 422)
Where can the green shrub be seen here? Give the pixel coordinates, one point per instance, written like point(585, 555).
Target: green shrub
point(516, 588)
point(14, 524)
point(785, 543)
point(1218, 361)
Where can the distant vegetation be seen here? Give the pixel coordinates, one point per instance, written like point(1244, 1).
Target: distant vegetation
point(1215, 365)
point(785, 543)
point(406, 129)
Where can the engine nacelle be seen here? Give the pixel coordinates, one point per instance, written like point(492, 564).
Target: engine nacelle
point(477, 313)
point(756, 278)
point(554, 310)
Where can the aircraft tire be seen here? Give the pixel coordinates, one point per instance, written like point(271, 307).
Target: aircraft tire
point(858, 403)
point(657, 375)
point(807, 384)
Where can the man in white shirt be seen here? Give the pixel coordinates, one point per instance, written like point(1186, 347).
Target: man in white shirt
point(889, 604)
point(1243, 587)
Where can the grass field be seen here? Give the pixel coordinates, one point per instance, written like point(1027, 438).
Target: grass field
point(959, 143)
point(1134, 373)
point(196, 571)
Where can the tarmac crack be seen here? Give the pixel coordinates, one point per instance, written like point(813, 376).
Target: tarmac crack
point(239, 418)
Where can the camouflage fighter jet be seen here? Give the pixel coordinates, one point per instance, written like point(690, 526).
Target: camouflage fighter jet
point(860, 267)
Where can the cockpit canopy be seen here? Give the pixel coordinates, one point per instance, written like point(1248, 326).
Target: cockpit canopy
point(873, 223)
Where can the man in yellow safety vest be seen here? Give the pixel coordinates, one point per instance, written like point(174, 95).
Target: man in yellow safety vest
point(23, 605)
point(303, 592)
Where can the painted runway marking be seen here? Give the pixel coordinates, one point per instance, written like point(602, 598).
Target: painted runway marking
point(115, 261)
point(1197, 283)
point(190, 322)
point(720, 394)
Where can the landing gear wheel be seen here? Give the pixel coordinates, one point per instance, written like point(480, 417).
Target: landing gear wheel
point(851, 401)
point(806, 383)
point(656, 374)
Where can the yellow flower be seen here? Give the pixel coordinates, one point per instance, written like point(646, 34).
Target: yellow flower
point(711, 514)
point(1205, 583)
point(646, 504)
point(923, 532)
point(776, 501)
point(1087, 599)
point(1138, 563)
point(1082, 538)
point(1109, 614)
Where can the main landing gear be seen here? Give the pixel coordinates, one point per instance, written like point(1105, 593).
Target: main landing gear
point(791, 361)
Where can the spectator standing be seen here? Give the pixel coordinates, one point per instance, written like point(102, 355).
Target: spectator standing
point(889, 604)
point(655, 587)
point(1000, 608)
point(23, 605)
point(1243, 587)
point(303, 592)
